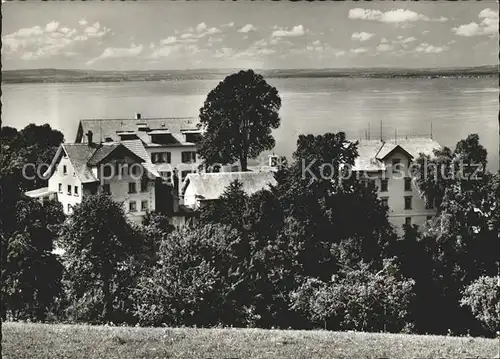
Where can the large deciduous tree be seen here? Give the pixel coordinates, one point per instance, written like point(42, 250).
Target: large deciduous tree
point(99, 246)
point(238, 117)
point(31, 273)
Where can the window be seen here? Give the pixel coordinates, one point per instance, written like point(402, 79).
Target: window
point(395, 165)
point(188, 157)
point(132, 206)
point(69, 189)
point(385, 201)
point(135, 169)
point(106, 171)
point(408, 202)
point(144, 185)
point(60, 187)
point(131, 187)
point(408, 221)
point(383, 185)
point(161, 157)
point(407, 183)
point(76, 191)
point(144, 205)
point(69, 208)
point(65, 170)
point(106, 188)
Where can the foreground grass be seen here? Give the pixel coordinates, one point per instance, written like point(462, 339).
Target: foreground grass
point(81, 341)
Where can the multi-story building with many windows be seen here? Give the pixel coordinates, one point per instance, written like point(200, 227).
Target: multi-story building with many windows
point(387, 163)
point(169, 142)
point(122, 170)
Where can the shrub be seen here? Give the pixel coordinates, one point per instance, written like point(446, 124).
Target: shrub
point(194, 281)
point(482, 297)
point(357, 299)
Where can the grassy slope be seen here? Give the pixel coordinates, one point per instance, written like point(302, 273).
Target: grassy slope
point(74, 341)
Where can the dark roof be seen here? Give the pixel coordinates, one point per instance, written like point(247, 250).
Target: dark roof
point(82, 157)
point(79, 154)
point(101, 153)
point(102, 128)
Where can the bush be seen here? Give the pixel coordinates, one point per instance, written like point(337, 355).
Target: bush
point(194, 281)
point(482, 297)
point(357, 299)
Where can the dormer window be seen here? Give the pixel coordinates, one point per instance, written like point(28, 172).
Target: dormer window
point(193, 137)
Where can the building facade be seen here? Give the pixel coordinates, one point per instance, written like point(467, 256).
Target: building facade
point(80, 170)
point(169, 142)
point(388, 164)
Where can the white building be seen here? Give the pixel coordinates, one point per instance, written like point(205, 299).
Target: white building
point(387, 164)
point(122, 170)
point(169, 142)
point(201, 187)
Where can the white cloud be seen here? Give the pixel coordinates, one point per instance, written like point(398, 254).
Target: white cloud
point(201, 30)
point(396, 16)
point(384, 47)
point(408, 40)
point(45, 41)
point(201, 27)
point(247, 28)
point(360, 50)
point(230, 24)
point(430, 49)
point(362, 36)
point(83, 22)
point(297, 30)
point(118, 52)
point(52, 26)
point(488, 25)
point(64, 30)
point(169, 40)
point(224, 52)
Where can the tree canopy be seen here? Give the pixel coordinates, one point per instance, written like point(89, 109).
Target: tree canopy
point(238, 117)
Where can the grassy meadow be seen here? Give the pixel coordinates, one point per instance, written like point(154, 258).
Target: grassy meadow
point(20, 340)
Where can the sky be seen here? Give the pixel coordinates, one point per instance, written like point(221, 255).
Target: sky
point(154, 35)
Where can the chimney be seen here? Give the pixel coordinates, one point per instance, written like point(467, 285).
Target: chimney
point(89, 138)
point(137, 116)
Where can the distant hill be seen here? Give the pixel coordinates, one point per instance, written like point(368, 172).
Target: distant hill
point(61, 75)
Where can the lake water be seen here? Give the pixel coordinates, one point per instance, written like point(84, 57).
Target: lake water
point(455, 107)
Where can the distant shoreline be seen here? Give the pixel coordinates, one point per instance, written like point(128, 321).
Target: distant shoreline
point(84, 76)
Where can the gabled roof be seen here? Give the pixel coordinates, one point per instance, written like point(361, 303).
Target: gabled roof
point(373, 152)
point(103, 128)
point(83, 157)
point(137, 147)
point(389, 148)
point(78, 155)
point(208, 186)
point(106, 149)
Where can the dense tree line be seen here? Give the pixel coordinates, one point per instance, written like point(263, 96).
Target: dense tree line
point(309, 252)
